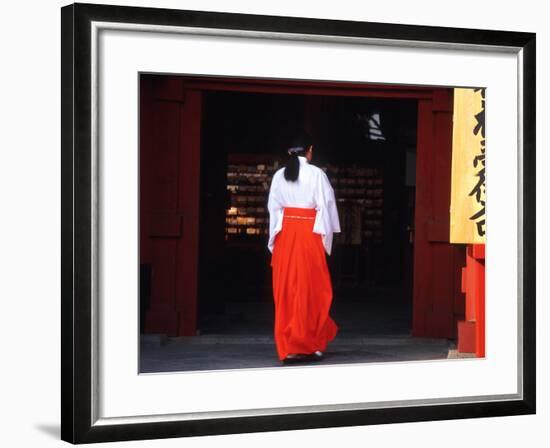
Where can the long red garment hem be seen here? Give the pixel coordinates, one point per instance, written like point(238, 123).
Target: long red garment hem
point(302, 288)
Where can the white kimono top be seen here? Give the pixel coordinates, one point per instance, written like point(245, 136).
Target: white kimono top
point(312, 189)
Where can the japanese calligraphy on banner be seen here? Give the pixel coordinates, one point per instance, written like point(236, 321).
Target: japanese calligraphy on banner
point(468, 167)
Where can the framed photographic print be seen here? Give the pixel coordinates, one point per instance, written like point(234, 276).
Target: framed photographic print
point(275, 223)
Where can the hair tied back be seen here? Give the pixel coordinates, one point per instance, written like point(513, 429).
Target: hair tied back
point(295, 150)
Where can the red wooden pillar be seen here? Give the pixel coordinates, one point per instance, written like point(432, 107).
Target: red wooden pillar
point(187, 251)
point(169, 202)
point(437, 263)
point(471, 331)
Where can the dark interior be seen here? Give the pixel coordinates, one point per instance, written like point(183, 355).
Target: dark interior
point(367, 147)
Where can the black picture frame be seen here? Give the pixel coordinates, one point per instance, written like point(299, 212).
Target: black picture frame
point(76, 221)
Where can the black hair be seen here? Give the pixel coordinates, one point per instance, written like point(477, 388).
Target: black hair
point(299, 146)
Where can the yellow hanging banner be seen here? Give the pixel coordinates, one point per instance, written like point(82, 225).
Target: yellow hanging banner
point(468, 167)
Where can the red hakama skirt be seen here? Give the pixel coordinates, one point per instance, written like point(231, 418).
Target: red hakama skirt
point(302, 287)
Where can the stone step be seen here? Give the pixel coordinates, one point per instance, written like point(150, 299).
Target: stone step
point(154, 338)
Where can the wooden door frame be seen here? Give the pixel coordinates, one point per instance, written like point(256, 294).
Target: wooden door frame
point(430, 100)
point(169, 230)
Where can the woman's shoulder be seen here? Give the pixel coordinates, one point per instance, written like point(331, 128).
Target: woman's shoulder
point(318, 171)
point(277, 174)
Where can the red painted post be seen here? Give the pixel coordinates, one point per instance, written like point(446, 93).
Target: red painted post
point(436, 260)
point(187, 252)
point(471, 331)
point(170, 152)
point(479, 255)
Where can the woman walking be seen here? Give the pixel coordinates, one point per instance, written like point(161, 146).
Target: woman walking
point(303, 217)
